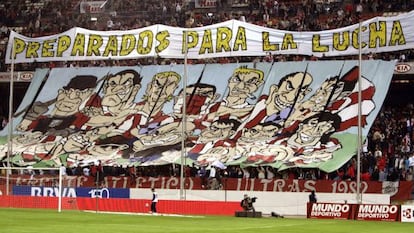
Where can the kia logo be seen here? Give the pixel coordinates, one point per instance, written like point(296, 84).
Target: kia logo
point(26, 76)
point(402, 68)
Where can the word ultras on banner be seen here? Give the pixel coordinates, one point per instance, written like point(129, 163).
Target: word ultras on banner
point(216, 40)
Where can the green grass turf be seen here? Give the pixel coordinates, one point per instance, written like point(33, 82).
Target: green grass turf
point(50, 221)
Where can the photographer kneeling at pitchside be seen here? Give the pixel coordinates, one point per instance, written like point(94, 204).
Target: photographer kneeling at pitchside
point(247, 203)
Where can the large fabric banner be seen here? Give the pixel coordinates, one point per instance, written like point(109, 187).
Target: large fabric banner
point(289, 114)
point(226, 39)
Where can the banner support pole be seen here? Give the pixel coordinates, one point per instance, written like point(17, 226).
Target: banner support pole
point(358, 178)
point(184, 119)
point(10, 120)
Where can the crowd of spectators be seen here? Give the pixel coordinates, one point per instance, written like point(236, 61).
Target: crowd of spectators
point(388, 149)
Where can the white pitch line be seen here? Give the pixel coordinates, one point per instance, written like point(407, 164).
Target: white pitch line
point(144, 214)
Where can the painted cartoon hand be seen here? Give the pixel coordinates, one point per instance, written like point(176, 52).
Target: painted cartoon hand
point(92, 111)
point(38, 108)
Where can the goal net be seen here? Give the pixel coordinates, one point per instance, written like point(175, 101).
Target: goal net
point(31, 188)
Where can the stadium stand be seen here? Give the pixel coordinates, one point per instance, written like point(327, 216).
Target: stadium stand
point(389, 143)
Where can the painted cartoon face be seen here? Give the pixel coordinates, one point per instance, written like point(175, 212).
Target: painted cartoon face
point(251, 135)
point(197, 101)
point(310, 133)
point(68, 101)
point(118, 89)
point(217, 131)
point(323, 94)
point(244, 82)
point(291, 87)
point(258, 133)
point(162, 87)
point(161, 139)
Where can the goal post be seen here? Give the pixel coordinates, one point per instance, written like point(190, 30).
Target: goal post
point(31, 187)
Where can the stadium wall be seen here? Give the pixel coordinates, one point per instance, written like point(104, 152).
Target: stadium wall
point(196, 202)
point(283, 203)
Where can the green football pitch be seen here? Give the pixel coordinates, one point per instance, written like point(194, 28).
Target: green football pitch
point(50, 221)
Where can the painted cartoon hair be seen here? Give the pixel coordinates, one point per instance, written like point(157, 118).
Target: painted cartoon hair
point(245, 70)
point(136, 80)
point(200, 86)
point(165, 74)
point(326, 116)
